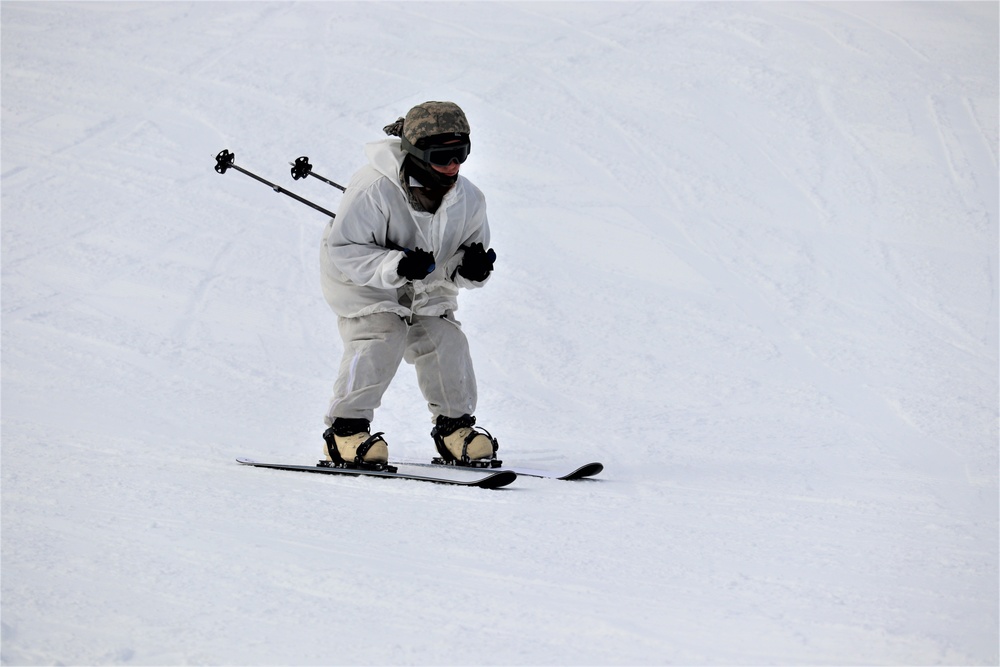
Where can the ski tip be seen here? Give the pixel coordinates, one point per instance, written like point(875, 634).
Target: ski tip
point(588, 470)
point(496, 480)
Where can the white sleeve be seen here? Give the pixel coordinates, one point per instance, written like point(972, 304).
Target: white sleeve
point(356, 243)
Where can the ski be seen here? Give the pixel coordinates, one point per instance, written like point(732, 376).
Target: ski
point(572, 473)
point(567, 473)
point(484, 478)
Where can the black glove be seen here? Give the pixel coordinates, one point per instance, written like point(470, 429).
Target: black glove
point(415, 264)
point(477, 263)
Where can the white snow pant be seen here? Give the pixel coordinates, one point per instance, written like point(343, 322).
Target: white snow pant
point(375, 344)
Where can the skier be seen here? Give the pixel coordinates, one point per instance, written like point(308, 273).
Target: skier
point(409, 233)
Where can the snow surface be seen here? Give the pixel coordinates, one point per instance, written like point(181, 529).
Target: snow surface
point(747, 258)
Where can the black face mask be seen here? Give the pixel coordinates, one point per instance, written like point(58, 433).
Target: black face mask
point(433, 185)
point(430, 178)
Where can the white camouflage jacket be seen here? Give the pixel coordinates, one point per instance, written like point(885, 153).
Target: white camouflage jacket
point(360, 250)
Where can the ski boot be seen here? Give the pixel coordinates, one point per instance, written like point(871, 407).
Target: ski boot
point(460, 444)
point(350, 445)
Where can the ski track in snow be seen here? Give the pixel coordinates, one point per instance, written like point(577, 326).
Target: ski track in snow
point(747, 258)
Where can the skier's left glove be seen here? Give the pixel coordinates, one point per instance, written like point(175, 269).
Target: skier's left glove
point(477, 264)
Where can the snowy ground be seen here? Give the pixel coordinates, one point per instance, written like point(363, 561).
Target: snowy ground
point(747, 258)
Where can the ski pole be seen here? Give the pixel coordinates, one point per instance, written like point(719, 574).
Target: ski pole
point(226, 160)
point(301, 168)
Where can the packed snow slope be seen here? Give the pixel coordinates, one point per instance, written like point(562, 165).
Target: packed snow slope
point(747, 259)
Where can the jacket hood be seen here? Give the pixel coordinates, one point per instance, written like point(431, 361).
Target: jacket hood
point(386, 157)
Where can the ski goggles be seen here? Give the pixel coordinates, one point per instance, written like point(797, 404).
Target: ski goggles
point(441, 155)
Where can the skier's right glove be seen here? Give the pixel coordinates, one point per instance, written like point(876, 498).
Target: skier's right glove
point(415, 264)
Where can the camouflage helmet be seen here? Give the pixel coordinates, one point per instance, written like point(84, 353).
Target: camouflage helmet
point(433, 118)
point(430, 119)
